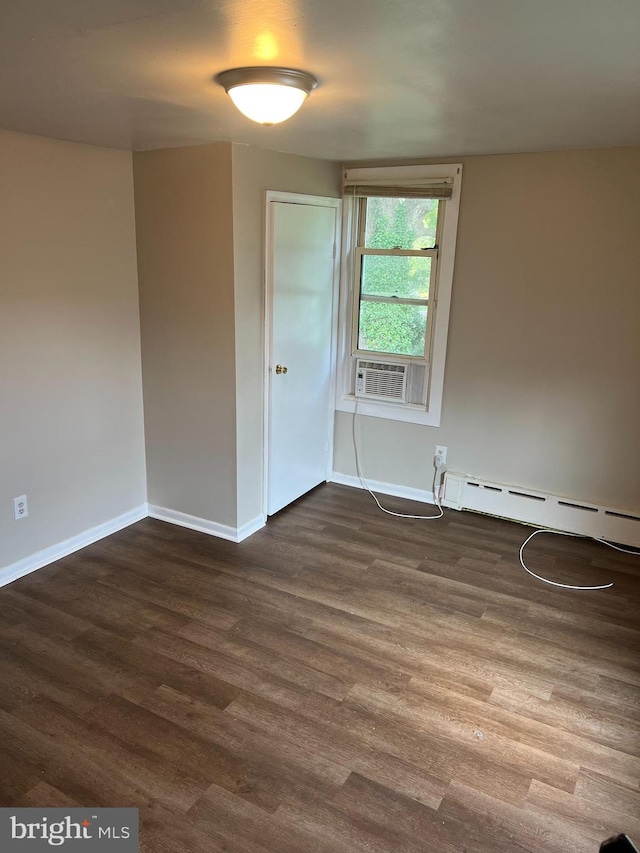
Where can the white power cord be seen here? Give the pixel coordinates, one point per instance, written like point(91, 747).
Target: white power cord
point(577, 536)
point(436, 497)
point(436, 466)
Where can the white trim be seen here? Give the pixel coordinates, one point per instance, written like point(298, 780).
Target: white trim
point(203, 525)
point(316, 201)
point(69, 546)
point(250, 528)
point(391, 411)
point(383, 488)
point(541, 509)
point(345, 401)
point(36, 561)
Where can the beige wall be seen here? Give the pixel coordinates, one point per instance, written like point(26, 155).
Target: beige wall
point(200, 231)
point(542, 383)
point(256, 170)
point(185, 267)
point(542, 387)
point(70, 386)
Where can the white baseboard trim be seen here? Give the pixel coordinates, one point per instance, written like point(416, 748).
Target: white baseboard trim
point(203, 525)
point(75, 543)
point(383, 488)
point(542, 509)
point(36, 561)
point(251, 527)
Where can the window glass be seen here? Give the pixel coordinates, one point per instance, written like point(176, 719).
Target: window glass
point(385, 327)
point(395, 276)
point(408, 223)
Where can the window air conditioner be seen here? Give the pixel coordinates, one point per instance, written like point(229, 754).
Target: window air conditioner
point(380, 380)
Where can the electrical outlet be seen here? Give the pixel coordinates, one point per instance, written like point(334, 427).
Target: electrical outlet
point(20, 507)
point(441, 453)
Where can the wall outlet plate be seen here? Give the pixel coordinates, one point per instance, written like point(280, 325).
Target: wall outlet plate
point(20, 507)
point(441, 453)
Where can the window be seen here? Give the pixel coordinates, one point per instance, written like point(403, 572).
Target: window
point(397, 273)
point(395, 270)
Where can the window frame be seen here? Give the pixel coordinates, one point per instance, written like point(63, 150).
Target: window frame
point(440, 301)
point(430, 302)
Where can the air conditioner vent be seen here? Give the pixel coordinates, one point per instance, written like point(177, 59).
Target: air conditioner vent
point(380, 380)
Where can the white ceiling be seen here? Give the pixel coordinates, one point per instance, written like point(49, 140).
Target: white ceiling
point(398, 78)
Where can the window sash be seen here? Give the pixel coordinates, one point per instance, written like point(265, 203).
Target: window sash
point(400, 253)
point(397, 253)
point(392, 300)
point(361, 213)
point(360, 297)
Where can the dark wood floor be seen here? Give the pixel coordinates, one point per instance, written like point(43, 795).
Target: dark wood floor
point(342, 681)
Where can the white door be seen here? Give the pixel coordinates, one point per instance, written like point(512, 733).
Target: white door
point(300, 316)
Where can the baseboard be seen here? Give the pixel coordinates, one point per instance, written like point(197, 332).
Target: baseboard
point(251, 527)
point(203, 525)
point(63, 549)
point(383, 488)
point(541, 509)
point(88, 537)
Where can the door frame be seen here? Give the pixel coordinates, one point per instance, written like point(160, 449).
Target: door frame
point(317, 201)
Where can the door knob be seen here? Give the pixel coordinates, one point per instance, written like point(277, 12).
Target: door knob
point(280, 369)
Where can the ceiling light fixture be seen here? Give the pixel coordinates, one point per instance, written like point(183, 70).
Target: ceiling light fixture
point(266, 94)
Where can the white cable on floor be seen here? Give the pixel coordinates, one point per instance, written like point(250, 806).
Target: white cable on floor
point(365, 485)
point(441, 513)
point(578, 536)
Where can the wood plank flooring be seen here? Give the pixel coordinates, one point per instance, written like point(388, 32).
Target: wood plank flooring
point(341, 681)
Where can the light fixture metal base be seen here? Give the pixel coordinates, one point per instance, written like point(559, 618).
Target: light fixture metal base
point(267, 74)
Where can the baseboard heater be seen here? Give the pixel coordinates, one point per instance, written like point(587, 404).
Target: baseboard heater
point(541, 509)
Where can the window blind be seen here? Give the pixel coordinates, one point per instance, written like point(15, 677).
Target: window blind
point(439, 188)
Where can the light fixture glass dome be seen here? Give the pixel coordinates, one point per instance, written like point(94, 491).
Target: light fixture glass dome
point(267, 95)
point(267, 103)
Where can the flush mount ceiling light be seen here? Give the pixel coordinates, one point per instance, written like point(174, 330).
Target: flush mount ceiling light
point(265, 94)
